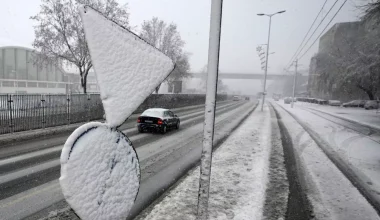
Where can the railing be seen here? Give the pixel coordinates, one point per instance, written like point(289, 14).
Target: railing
point(28, 112)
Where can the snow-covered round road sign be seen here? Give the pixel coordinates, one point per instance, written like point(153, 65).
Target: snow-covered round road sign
point(100, 172)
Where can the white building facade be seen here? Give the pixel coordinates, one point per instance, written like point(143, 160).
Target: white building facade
point(20, 75)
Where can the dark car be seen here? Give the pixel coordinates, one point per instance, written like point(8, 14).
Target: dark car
point(158, 120)
point(355, 103)
point(334, 102)
point(287, 100)
point(371, 104)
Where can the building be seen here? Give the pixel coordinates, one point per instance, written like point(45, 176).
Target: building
point(340, 35)
point(19, 73)
point(338, 41)
point(73, 78)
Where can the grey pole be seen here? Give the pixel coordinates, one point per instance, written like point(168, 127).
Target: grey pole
point(266, 63)
point(294, 82)
point(208, 127)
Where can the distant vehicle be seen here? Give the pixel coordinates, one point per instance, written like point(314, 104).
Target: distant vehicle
point(334, 102)
point(287, 100)
point(322, 101)
point(371, 104)
point(276, 96)
point(236, 98)
point(354, 103)
point(247, 98)
point(158, 120)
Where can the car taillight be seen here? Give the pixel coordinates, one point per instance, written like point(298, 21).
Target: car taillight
point(159, 122)
point(138, 120)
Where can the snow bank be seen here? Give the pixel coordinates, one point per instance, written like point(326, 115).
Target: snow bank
point(238, 178)
point(127, 68)
point(100, 173)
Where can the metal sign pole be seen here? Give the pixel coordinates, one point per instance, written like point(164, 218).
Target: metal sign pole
point(208, 128)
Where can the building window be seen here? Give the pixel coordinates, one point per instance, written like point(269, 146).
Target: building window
point(59, 74)
point(8, 84)
point(21, 84)
point(32, 84)
point(21, 64)
point(42, 85)
point(52, 85)
point(51, 72)
point(1, 64)
point(42, 75)
point(10, 64)
point(32, 68)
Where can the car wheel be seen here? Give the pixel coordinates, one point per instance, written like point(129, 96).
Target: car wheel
point(177, 125)
point(140, 130)
point(163, 129)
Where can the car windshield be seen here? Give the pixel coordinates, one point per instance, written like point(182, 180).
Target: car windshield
point(192, 109)
point(153, 113)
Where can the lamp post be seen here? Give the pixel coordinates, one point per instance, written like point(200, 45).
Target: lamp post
point(294, 82)
point(266, 63)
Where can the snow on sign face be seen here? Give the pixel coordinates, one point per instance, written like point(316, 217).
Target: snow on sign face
point(125, 65)
point(100, 173)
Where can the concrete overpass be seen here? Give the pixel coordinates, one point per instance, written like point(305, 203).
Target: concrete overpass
point(257, 76)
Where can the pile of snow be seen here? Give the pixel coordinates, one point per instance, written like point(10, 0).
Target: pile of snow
point(238, 178)
point(100, 174)
point(127, 68)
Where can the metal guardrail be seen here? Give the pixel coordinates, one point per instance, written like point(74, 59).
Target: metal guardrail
point(28, 112)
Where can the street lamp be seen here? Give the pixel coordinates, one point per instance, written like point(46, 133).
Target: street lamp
point(266, 63)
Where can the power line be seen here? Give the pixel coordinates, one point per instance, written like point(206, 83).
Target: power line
point(315, 30)
point(323, 29)
point(303, 40)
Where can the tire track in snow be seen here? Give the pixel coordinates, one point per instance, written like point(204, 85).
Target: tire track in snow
point(278, 184)
point(298, 204)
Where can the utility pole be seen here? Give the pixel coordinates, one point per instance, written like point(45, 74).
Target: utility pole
point(295, 81)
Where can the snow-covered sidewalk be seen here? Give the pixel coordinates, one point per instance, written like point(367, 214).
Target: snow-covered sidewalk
point(238, 179)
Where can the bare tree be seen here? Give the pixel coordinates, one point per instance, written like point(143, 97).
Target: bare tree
point(59, 34)
point(167, 39)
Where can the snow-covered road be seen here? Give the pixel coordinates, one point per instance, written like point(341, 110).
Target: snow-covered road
point(340, 162)
point(30, 194)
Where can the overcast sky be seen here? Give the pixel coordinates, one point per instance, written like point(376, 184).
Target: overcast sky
point(242, 29)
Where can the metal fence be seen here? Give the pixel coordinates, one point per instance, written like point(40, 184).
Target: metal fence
point(27, 112)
